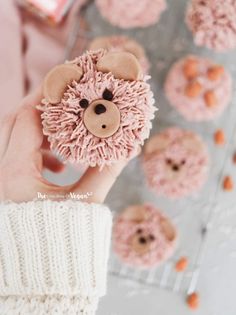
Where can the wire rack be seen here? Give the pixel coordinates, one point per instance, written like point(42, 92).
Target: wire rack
point(194, 216)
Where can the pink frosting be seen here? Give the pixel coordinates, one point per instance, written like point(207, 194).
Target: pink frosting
point(118, 42)
point(161, 248)
point(66, 131)
point(176, 148)
point(195, 109)
point(131, 13)
point(213, 23)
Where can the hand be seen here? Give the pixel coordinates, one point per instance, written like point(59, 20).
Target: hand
point(24, 153)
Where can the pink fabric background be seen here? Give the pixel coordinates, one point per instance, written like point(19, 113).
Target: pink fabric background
point(29, 48)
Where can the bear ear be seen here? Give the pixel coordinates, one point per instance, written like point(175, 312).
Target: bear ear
point(100, 43)
point(157, 143)
point(192, 143)
point(135, 213)
point(168, 229)
point(122, 65)
point(57, 80)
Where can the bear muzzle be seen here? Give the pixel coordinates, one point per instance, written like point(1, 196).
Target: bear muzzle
point(102, 118)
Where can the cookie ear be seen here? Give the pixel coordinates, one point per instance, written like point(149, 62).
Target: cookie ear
point(122, 65)
point(157, 143)
point(134, 48)
point(135, 213)
point(57, 80)
point(100, 43)
point(192, 143)
point(168, 229)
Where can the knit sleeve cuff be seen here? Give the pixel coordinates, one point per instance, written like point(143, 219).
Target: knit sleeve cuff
point(54, 249)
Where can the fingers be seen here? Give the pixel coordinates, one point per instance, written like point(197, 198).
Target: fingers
point(99, 182)
point(45, 144)
point(5, 132)
point(26, 136)
point(33, 98)
point(52, 163)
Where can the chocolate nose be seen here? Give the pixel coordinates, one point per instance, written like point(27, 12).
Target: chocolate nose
point(100, 109)
point(142, 240)
point(175, 167)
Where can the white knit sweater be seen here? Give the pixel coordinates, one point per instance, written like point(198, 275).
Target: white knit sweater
point(53, 257)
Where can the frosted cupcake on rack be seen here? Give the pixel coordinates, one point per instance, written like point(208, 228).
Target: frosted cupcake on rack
point(143, 236)
point(97, 109)
point(122, 43)
point(198, 88)
point(213, 23)
point(175, 163)
point(131, 13)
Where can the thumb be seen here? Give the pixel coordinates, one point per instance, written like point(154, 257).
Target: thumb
point(99, 182)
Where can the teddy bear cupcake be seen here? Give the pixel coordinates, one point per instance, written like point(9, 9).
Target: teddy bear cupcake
point(131, 13)
point(122, 43)
point(175, 163)
point(198, 88)
point(97, 109)
point(213, 23)
point(143, 236)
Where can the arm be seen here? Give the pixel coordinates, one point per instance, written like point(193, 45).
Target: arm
point(53, 253)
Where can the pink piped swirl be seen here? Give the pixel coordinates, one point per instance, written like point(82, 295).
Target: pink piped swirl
point(213, 23)
point(131, 13)
point(159, 250)
point(67, 133)
point(177, 164)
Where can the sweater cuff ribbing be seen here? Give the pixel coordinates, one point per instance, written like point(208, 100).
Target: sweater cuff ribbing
point(54, 251)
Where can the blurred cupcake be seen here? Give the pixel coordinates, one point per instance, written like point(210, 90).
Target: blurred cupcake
point(175, 163)
point(143, 236)
point(131, 13)
point(213, 23)
point(122, 43)
point(198, 88)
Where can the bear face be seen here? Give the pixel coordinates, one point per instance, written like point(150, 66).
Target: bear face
point(175, 163)
point(104, 114)
point(143, 236)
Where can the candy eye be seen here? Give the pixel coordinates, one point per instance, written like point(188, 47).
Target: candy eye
point(183, 162)
point(107, 95)
point(84, 103)
point(151, 237)
point(139, 231)
point(169, 161)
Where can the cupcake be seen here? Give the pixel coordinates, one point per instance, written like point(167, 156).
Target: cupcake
point(97, 109)
point(143, 236)
point(122, 43)
point(175, 163)
point(198, 88)
point(131, 13)
point(213, 23)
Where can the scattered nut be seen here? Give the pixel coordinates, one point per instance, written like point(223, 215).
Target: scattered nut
point(193, 89)
point(181, 264)
point(193, 301)
point(190, 69)
point(210, 98)
point(214, 73)
point(219, 137)
point(228, 184)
